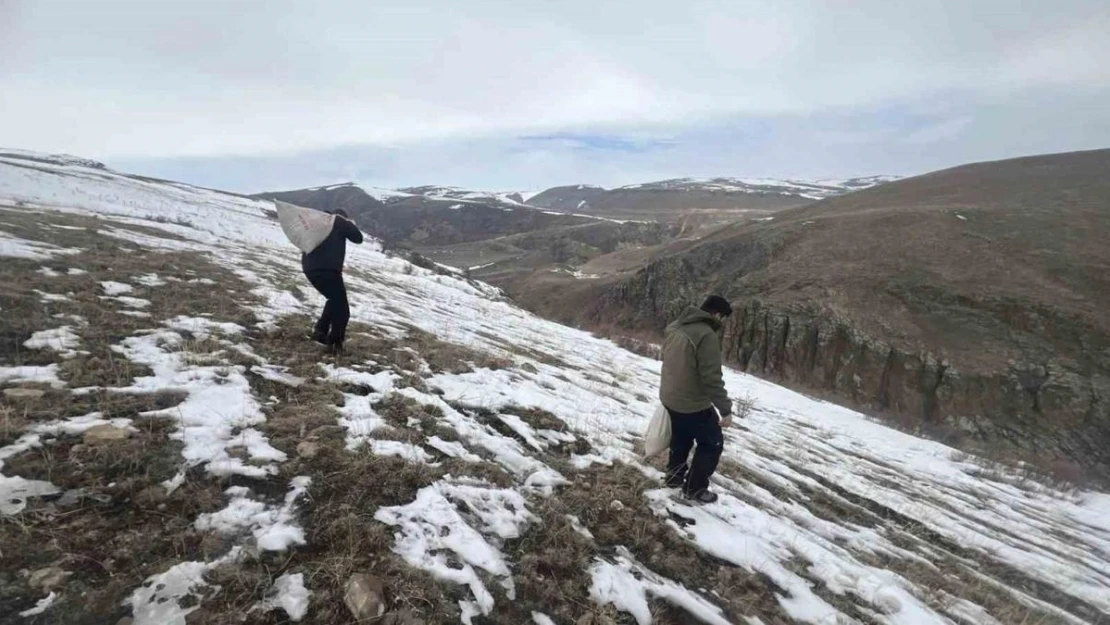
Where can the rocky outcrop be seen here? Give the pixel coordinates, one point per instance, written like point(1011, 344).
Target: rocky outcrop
point(1051, 408)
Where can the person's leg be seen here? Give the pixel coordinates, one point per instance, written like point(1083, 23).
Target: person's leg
point(341, 313)
point(682, 441)
point(322, 284)
point(711, 443)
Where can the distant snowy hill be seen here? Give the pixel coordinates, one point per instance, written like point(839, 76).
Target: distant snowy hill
point(676, 198)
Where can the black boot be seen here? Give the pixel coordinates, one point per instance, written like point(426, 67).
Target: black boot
point(702, 496)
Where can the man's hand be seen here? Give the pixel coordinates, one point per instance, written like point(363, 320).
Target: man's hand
point(726, 422)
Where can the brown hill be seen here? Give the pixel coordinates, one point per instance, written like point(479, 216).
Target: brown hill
point(974, 301)
point(415, 220)
point(698, 201)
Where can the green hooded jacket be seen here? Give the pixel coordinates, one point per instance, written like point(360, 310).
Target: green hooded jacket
point(692, 380)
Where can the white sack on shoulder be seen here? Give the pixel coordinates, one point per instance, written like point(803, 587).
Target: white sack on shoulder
point(306, 228)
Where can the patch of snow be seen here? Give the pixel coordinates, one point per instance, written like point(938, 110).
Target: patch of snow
point(14, 247)
point(452, 449)
point(217, 414)
point(433, 524)
point(202, 327)
point(405, 451)
point(48, 272)
point(134, 313)
point(360, 419)
point(966, 611)
point(31, 374)
point(14, 492)
point(158, 601)
point(62, 340)
point(625, 584)
point(130, 302)
point(539, 618)
point(112, 288)
point(576, 523)
point(174, 482)
point(75, 426)
point(289, 594)
point(42, 606)
point(506, 451)
point(276, 373)
point(273, 528)
point(46, 298)
point(150, 279)
point(381, 382)
point(74, 271)
point(522, 429)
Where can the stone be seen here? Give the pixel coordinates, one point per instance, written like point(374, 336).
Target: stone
point(23, 394)
point(365, 597)
point(308, 449)
point(49, 578)
point(105, 434)
point(127, 620)
point(71, 498)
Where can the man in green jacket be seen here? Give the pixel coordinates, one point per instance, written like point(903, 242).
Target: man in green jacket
point(693, 392)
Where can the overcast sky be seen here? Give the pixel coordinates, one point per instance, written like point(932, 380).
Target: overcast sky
point(527, 94)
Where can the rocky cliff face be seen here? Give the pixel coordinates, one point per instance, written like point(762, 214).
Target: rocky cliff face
point(1049, 408)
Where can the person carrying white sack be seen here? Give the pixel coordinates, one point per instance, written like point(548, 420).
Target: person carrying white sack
point(322, 239)
point(692, 390)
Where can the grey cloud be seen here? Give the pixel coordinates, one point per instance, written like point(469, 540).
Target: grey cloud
point(286, 81)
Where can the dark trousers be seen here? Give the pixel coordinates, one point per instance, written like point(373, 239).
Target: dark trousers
point(703, 428)
point(332, 324)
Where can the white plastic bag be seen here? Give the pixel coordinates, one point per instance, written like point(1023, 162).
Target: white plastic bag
point(306, 228)
point(657, 437)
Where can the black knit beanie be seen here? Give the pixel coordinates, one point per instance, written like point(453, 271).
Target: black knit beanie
point(715, 304)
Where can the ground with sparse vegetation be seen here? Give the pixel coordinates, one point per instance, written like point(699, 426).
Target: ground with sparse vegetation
point(174, 449)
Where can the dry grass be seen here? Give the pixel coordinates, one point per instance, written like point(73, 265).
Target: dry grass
point(554, 559)
point(122, 530)
point(123, 527)
point(444, 357)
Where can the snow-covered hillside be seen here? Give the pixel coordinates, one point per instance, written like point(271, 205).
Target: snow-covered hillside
point(814, 190)
point(450, 195)
point(526, 498)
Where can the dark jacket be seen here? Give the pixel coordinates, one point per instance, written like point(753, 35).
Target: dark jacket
point(692, 380)
point(330, 254)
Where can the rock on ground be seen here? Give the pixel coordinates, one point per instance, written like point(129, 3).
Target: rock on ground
point(365, 596)
point(105, 434)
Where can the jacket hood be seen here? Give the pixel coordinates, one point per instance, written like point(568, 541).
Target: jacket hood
point(694, 314)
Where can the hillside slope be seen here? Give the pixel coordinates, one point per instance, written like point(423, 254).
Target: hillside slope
point(175, 450)
point(972, 300)
point(716, 200)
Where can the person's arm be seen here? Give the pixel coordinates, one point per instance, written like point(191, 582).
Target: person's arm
point(709, 369)
point(349, 229)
